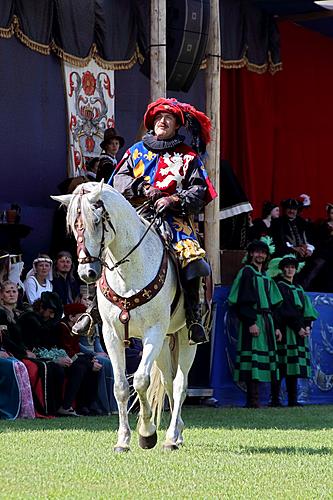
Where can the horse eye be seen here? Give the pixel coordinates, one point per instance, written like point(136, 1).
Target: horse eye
point(98, 204)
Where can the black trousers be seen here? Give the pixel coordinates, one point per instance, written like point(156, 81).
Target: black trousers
point(81, 383)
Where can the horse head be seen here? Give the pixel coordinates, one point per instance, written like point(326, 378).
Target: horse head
point(89, 221)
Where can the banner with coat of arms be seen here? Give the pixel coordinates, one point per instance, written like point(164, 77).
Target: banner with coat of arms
point(90, 106)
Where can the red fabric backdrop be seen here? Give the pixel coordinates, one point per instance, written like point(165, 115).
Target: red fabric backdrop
point(277, 131)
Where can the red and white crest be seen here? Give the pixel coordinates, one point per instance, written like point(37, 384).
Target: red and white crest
point(172, 170)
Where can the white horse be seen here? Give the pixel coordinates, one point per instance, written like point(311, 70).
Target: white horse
point(144, 286)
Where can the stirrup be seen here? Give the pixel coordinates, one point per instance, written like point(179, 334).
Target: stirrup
point(86, 331)
point(199, 334)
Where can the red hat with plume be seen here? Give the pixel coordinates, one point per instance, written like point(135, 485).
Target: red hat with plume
point(195, 121)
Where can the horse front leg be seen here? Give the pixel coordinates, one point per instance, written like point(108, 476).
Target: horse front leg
point(116, 352)
point(186, 355)
point(152, 345)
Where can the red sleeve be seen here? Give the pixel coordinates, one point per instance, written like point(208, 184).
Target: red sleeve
point(68, 342)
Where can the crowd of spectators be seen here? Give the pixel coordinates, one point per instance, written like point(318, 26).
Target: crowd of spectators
point(45, 370)
point(293, 232)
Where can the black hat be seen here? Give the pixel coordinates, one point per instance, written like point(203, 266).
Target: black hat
point(51, 300)
point(109, 134)
point(257, 245)
point(287, 261)
point(267, 207)
point(291, 203)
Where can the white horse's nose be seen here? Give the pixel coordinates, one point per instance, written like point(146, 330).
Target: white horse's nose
point(90, 274)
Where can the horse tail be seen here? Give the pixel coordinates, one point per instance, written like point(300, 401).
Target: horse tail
point(156, 389)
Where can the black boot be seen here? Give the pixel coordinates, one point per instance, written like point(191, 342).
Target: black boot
point(252, 399)
point(87, 320)
point(275, 401)
point(291, 383)
point(196, 331)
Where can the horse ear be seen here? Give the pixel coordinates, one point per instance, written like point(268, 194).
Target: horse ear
point(95, 194)
point(64, 199)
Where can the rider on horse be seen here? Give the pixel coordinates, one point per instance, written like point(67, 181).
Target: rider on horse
point(164, 171)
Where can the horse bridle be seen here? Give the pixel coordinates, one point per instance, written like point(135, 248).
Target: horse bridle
point(105, 218)
point(80, 240)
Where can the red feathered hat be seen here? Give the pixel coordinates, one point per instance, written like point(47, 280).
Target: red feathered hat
point(197, 122)
point(73, 309)
point(162, 105)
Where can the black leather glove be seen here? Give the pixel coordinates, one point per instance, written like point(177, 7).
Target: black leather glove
point(152, 193)
point(167, 203)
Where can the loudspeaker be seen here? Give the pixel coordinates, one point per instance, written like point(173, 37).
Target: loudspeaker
point(186, 36)
point(187, 26)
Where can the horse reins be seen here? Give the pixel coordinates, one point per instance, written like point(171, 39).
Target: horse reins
point(125, 304)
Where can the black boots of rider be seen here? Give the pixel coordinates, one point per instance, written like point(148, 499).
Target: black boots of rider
point(196, 331)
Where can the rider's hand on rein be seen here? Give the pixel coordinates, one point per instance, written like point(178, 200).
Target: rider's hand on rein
point(166, 203)
point(153, 193)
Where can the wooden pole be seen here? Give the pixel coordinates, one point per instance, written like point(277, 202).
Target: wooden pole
point(158, 49)
point(213, 75)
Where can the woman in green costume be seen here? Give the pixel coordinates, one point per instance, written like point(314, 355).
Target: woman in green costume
point(254, 295)
point(293, 318)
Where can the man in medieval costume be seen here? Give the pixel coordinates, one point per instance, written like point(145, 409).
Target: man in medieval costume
point(171, 177)
point(254, 295)
point(294, 319)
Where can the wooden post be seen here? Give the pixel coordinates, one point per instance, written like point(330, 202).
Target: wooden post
point(157, 49)
point(213, 75)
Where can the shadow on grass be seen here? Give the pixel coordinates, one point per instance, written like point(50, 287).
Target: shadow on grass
point(284, 450)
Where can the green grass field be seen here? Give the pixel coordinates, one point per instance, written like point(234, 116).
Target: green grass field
point(228, 453)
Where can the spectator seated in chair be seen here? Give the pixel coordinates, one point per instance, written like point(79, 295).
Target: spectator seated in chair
point(39, 330)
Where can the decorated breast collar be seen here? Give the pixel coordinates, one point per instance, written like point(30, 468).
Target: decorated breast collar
point(126, 304)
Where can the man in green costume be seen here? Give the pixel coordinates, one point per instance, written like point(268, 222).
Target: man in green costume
point(293, 318)
point(254, 295)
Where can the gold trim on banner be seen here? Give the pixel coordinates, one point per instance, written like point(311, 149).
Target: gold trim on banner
point(256, 68)
point(80, 62)
point(116, 65)
point(7, 32)
point(32, 44)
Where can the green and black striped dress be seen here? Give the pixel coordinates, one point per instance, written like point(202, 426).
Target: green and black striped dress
point(253, 294)
point(295, 312)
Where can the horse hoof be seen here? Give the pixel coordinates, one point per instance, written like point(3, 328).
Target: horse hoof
point(148, 442)
point(120, 449)
point(170, 447)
